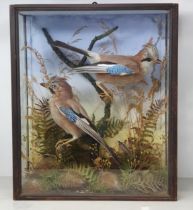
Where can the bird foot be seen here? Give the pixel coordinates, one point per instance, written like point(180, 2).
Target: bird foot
point(106, 96)
point(61, 142)
point(60, 145)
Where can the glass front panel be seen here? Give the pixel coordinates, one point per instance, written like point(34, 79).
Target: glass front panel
point(94, 105)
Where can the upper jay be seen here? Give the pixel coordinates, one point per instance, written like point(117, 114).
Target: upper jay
point(119, 70)
point(69, 114)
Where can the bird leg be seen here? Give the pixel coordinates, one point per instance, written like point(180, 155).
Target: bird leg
point(107, 94)
point(61, 143)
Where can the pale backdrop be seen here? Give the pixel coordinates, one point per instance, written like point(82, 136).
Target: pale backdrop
point(185, 101)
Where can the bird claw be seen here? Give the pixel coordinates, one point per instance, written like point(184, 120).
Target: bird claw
point(59, 146)
point(106, 96)
point(60, 143)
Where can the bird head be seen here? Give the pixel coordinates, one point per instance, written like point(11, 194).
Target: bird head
point(150, 53)
point(148, 56)
point(57, 85)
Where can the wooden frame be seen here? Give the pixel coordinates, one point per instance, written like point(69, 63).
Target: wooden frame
point(172, 102)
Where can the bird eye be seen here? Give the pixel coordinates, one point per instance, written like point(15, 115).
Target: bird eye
point(146, 59)
point(149, 59)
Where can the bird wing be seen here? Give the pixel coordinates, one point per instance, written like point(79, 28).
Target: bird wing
point(84, 124)
point(76, 107)
point(115, 69)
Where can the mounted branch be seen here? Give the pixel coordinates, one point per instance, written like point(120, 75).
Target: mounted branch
point(58, 52)
point(55, 44)
point(97, 38)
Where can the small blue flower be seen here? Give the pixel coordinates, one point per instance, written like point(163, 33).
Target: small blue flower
point(70, 115)
point(118, 70)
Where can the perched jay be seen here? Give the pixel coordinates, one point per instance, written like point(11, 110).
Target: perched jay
point(70, 115)
point(119, 70)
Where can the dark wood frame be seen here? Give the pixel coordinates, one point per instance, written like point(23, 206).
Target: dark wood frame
point(16, 119)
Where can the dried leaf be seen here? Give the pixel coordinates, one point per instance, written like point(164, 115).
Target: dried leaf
point(105, 27)
point(79, 30)
point(76, 40)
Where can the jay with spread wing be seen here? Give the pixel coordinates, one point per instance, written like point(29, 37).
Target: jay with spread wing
point(69, 114)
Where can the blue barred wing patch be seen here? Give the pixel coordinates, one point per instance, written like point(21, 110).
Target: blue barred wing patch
point(118, 70)
point(70, 115)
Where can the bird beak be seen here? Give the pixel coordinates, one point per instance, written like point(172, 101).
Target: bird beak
point(158, 61)
point(46, 85)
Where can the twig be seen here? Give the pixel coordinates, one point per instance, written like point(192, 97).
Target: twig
point(40, 61)
point(58, 51)
point(107, 110)
point(68, 62)
point(97, 38)
point(69, 47)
